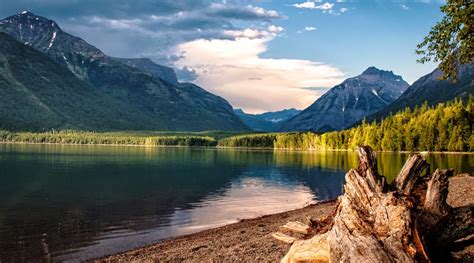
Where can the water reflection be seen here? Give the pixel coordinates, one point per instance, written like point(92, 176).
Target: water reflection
point(77, 202)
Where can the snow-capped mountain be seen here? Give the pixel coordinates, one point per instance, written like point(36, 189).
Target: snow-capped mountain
point(349, 102)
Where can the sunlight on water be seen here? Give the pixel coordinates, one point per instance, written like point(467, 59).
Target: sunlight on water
point(80, 202)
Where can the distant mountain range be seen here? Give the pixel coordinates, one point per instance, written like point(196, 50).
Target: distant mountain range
point(132, 87)
point(268, 121)
point(50, 79)
point(349, 102)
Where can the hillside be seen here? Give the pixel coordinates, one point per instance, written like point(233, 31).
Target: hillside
point(349, 102)
point(432, 90)
point(163, 105)
point(444, 127)
point(146, 65)
point(38, 94)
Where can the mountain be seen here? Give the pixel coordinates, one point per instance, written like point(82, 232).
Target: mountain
point(145, 64)
point(38, 94)
point(268, 121)
point(432, 90)
point(166, 106)
point(349, 102)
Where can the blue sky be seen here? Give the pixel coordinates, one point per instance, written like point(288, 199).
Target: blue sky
point(379, 33)
point(260, 55)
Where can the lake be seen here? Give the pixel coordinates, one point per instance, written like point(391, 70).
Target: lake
point(65, 202)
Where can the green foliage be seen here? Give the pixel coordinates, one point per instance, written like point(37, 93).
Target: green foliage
point(249, 140)
point(38, 94)
point(76, 137)
point(445, 127)
point(451, 41)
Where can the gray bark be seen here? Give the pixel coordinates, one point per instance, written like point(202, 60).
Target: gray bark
point(406, 221)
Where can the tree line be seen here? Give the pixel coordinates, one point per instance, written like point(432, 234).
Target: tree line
point(444, 127)
point(80, 137)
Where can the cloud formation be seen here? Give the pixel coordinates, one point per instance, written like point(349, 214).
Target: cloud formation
point(234, 69)
point(314, 5)
point(153, 33)
point(146, 27)
point(218, 45)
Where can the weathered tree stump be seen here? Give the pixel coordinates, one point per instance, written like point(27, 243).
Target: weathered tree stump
point(406, 221)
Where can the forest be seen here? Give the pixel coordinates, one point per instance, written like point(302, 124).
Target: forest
point(112, 138)
point(444, 127)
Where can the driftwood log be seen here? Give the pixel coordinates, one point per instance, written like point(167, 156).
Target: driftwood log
point(405, 221)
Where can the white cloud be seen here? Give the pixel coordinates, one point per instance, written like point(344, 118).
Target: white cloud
point(307, 28)
point(404, 7)
point(152, 34)
point(313, 5)
point(234, 70)
point(309, 5)
point(264, 13)
point(275, 29)
point(344, 9)
point(247, 33)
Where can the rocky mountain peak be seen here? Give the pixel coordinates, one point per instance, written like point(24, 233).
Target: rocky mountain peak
point(350, 101)
point(378, 77)
point(373, 70)
point(25, 13)
point(26, 20)
point(32, 30)
point(45, 35)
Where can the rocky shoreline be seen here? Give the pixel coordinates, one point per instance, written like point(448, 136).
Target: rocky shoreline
point(251, 241)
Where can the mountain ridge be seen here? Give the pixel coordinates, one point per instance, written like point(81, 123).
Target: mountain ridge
point(432, 90)
point(169, 106)
point(34, 92)
point(349, 102)
point(147, 65)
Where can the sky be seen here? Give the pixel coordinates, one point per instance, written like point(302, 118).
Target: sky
point(260, 55)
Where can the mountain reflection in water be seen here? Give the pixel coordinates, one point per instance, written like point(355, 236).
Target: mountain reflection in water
point(80, 202)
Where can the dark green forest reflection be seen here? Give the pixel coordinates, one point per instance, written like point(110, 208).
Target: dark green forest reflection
point(77, 202)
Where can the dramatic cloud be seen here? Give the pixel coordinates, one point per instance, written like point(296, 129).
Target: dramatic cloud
point(146, 27)
point(217, 44)
point(235, 70)
point(106, 8)
point(243, 13)
point(149, 30)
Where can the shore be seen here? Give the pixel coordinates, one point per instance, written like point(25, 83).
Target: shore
point(225, 148)
point(251, 241)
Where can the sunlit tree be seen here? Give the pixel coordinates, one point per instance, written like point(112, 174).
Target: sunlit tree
point(450, 41)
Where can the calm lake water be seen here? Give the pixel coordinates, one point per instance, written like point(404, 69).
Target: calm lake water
point(61, 202)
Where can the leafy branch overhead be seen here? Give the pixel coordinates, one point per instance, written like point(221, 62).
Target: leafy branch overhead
point(451, 40)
